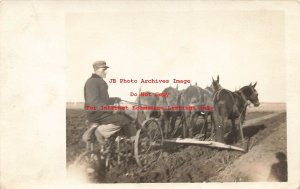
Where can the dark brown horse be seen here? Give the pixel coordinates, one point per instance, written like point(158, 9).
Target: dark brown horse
point(147, 100)
point(193, 96)
point(168, 117)
point(210, 91)
point(232, 105)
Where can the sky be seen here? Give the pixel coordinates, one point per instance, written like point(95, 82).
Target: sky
point(239, 46)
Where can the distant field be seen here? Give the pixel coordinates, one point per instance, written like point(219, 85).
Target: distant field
point(268, 107)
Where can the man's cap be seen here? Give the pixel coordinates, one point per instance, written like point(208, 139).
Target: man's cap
point(99, 64)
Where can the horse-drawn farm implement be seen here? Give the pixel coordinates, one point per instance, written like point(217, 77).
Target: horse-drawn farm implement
point(213, 107)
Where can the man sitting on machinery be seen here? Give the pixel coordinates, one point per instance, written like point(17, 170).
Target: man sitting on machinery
point(106, 122)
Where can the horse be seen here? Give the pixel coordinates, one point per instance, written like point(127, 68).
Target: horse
point(147, 100)
point(168, 117)
point(193, 96)
point(232, 105)
point(210, 91)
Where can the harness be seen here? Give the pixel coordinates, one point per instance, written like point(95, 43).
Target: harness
point(217, 94)
point(243, 96)
point(245, 104)
point(216, 97)
point(209, 91)
point(134, 103)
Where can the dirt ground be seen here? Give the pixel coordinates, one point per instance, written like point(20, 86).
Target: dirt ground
point(265, 161)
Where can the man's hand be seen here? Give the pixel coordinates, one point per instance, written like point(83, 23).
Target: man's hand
point(117, 100)
point(114, 100)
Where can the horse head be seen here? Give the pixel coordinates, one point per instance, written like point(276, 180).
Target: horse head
point(251, 94)
point(215, 84)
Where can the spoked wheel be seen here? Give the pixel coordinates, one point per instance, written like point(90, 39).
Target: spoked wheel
point(148, 143)
point(91, 166)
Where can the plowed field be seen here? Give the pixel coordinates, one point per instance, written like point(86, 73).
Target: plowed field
point(265, 161)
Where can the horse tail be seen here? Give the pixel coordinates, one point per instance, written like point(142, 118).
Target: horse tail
point(219, 114)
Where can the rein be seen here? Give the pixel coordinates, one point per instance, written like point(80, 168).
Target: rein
point(246, 104)
point(209, 91)
point(243, 97)
point(133, 103)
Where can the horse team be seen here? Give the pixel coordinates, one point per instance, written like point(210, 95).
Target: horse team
point(218, 105)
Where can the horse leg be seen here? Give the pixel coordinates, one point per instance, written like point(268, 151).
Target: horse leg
point(177, 121)
point(224, 121)
point(165, 126)
point(219, 132)
point(233, 130)
point(205, 126)
point(219, 126)
point(166, 122)
point(184, 126)
point(202, 128)
point(222, 126)
point(212, 125)
point(191, 125)
point(241, 130)
point(172, 122)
